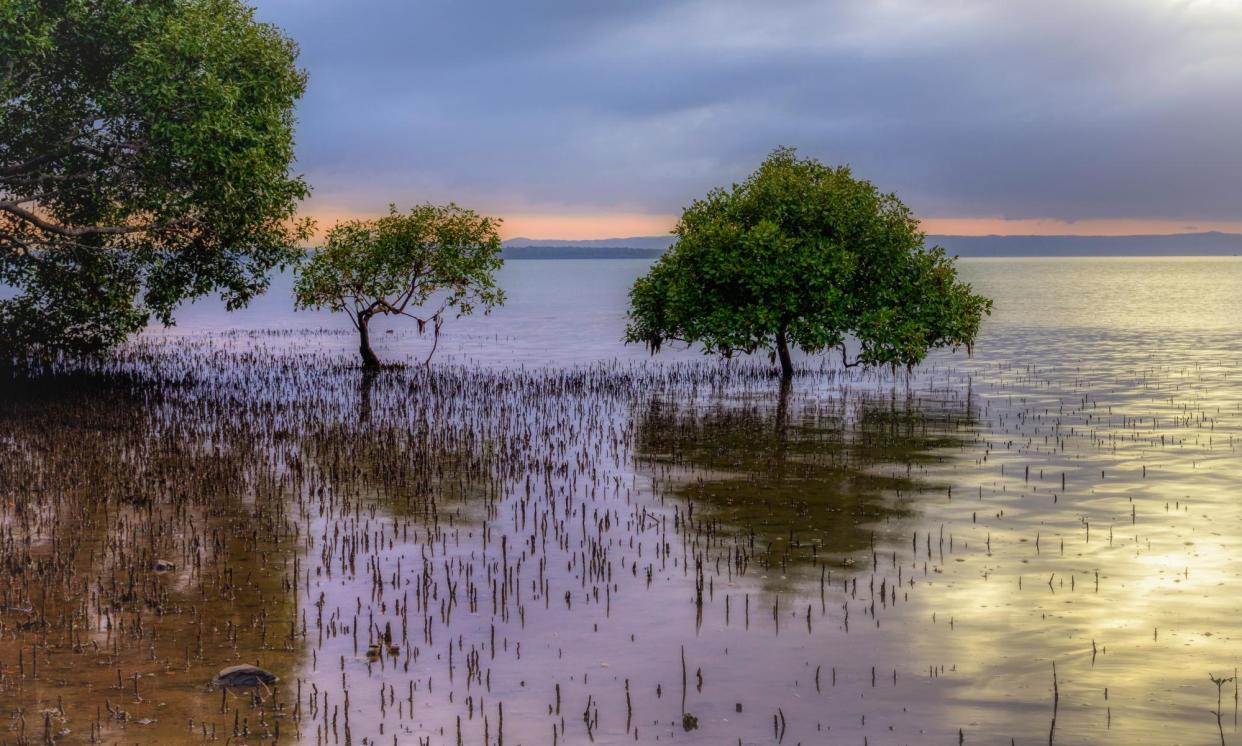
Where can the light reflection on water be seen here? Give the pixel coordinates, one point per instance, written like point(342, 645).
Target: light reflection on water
point(911, 540)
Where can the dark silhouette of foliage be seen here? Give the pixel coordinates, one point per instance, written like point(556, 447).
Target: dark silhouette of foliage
point(144, 160)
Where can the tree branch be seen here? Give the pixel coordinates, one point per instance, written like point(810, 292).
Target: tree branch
point(845, 360)
point(422, 320)
point(39, 160)
point(353, 317)
point(28, 216)
point(404, 300)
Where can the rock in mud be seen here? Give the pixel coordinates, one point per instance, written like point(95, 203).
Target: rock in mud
point(243, 676)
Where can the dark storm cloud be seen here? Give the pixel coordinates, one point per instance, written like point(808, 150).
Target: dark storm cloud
point(1059, 109)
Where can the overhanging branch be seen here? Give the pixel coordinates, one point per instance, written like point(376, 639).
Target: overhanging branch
point(16, 210)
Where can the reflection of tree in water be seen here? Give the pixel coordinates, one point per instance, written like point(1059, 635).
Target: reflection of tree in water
point(800, 477)
point(403, 450)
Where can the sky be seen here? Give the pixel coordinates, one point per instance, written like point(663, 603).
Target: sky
point(593, 119)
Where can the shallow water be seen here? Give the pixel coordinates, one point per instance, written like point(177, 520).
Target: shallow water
point(567, 542)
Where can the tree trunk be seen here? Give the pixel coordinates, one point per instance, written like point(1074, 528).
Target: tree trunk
point(782, 350)
point(369, 360)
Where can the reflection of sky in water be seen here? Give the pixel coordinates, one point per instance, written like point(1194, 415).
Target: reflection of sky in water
point(1145, 438)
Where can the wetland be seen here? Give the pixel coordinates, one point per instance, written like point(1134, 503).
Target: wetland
point(548, 538)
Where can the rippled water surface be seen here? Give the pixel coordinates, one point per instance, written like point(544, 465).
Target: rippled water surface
point(548, 538)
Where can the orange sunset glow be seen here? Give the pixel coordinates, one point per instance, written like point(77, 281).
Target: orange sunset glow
point(600, 225)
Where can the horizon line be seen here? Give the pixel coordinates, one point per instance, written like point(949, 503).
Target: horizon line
point(929, 233)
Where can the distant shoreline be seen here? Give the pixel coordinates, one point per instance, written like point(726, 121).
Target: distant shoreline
point(1211, 244)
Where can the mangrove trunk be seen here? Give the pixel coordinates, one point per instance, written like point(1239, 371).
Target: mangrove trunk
point(369, 359)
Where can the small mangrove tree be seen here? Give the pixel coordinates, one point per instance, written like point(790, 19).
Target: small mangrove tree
point(421, 264)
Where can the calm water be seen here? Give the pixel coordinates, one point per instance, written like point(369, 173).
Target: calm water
point(572, 311)
point(567, 542)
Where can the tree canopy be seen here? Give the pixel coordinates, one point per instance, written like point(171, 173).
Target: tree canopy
point(803, 254)
point(145, 150)
point(421, 264)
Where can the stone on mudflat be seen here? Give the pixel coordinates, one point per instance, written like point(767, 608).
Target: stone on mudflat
point(243, 676)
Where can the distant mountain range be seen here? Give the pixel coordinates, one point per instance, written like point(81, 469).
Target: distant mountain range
point(1181, 244)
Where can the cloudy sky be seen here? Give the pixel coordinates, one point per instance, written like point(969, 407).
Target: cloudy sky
point(587, 119)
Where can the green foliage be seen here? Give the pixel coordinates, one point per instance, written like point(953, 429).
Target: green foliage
point(144, 160)
point(433, 258)
point(805, 255)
